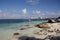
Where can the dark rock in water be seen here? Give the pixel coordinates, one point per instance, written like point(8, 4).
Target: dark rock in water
point(28, 38)
point(55, 38)
point(51, 21)
point(16, 33)
point(22, 28)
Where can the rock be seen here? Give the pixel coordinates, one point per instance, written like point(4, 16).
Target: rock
point(16, 34)
point(57, 30)
point(22, 28)
point(41, 30)
point(51, 21)
point(58, 20)
point(45, 33)
point(42, 25)
point(49, 30)
point(55, 38)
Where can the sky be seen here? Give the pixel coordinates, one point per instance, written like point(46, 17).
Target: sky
point(20, 9)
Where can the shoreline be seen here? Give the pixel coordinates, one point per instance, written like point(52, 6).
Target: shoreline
point(36, 32)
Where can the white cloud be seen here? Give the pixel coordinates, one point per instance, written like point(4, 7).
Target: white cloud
point(38, 11)
point(14, 16)
point(33, 2)
point(24, 11)
point(9, 15)
point(44, 14)
point(33, 17)
point(0, 11)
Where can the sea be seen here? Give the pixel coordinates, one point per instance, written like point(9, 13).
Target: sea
point(9, 26)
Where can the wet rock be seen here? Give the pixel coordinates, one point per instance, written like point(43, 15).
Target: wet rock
point(57, 30)
point(50, 30)
point(22, 28)
point(51, 21)
point(16, 34)
point(48, 37)
point(42, 25)
point(41, 30)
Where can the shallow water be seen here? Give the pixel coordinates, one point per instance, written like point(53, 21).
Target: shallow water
point(7, 29)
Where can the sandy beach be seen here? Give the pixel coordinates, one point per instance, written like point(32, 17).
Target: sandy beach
point(35, 32)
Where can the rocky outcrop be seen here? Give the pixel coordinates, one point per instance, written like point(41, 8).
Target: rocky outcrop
point(42, 25)
point(51, 21)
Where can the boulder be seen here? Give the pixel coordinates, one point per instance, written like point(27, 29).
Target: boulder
point(51, 21)
point(42, 25)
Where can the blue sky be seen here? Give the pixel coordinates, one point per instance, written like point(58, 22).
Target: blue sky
point(16, 9)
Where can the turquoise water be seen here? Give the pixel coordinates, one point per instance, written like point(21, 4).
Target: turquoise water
point(7, 28)
point(15, 25)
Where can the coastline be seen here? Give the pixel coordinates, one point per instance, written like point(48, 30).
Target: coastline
point(36, 32)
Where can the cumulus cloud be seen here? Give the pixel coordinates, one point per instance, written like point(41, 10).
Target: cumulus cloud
point(35, 14)
point(32, 2)
point(24, 11)
point(38, 11)
point(44, 14)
